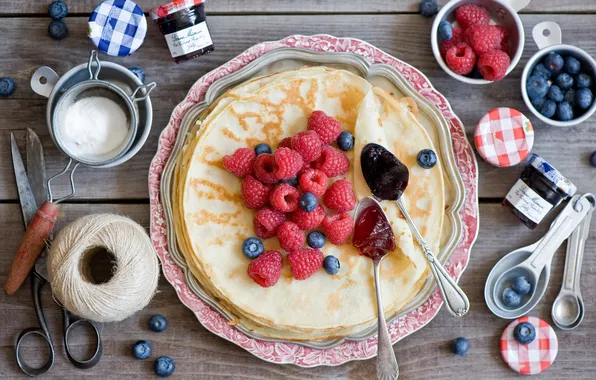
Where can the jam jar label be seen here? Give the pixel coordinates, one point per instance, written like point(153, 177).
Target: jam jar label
point(528, 202)
point(189, 40)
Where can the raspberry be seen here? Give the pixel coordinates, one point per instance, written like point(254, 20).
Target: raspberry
point(267, 221)
point(285, 143)
point(261, 231)
point(338, 227)
point(332, 162)
point(504, 38)
point(308, 144)
point(287, 163)
point(313, 181)
point(326, 127)
point(458, 36)
point(305, 262)
point(240, 163)
point(266, 269)
point(308, 220)
point(461, 58)
point(285, 198)
point(493, 65)
point(264, 168)
point(471, 14)
point(484, 38)
point(254, 193)
point(340, 196)
point(290, 236)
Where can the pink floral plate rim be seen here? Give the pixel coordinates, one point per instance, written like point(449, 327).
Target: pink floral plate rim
point(290, 353)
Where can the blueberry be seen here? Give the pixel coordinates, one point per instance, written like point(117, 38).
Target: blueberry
point(583, 80)
point(7, 86)
point(548, 108)
point(555, 94)
point(521, 285)
point(593, 159)
point(583, 98)
point(572, 66)
point(554, 62)
point(564, 80)
point(542, 71)
point(537, 103)
point(262, 148)
point(445, 30)
point(570, 96)
point(427, 158)
point(58, 30)
point(58, 10)
point(428, 8)
point(252, 247)
point(141, 349)
point(331, 264)
point(316, 239)
point(308, 202)
point(164, 366)
point(564, 111)
point(158, 323)
point(537, 87)
point(460, 346)
point(291, 181)
point(524, 333)
point(138, 72)
point(511, 298)
point(345, 141)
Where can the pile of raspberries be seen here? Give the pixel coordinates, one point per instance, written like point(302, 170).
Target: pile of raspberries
point(272, 185)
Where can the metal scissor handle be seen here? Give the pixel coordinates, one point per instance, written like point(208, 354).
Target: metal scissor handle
point(69, 323)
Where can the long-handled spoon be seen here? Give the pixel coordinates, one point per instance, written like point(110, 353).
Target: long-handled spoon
point(388, 178)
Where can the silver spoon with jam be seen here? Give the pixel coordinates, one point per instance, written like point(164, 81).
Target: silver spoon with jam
point(387, 177)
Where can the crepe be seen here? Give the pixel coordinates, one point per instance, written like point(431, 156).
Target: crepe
point(211, 221)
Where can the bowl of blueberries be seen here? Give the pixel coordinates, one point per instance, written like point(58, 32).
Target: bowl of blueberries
point(557, 82)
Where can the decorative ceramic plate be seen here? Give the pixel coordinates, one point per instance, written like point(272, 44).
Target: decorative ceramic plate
point(381, 69)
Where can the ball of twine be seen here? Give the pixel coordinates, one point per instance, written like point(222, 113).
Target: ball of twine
point(134, 279)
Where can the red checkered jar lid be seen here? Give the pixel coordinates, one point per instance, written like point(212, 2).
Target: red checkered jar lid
point(533, 358)
point(504, 137)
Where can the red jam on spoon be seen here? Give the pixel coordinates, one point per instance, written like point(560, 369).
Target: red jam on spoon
point(373, 236)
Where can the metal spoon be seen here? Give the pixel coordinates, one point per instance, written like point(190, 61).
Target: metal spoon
point(388, 178)
point(387, 368)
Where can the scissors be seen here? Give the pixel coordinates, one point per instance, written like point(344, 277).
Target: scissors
point(32, 189)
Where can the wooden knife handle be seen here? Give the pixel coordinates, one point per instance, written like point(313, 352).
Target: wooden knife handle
point(31, 246)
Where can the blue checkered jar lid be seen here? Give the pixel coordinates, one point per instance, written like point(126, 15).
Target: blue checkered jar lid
point(117, 27)
point(552, 174)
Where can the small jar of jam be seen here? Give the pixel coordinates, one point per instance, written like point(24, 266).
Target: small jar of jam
point(539, 189)
point(184, 26)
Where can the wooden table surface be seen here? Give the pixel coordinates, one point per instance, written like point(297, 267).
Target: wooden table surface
point(236, 25)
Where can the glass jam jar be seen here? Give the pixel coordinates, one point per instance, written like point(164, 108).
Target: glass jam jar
point(539, 189)
point(184, 26)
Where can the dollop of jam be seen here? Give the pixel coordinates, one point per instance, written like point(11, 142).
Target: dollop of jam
point(373, 236)
point(386, 176)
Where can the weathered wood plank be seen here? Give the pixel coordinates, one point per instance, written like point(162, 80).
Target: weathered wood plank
point(199, 354)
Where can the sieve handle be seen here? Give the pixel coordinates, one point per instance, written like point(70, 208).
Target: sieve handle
point(147, 87)
point(32, 245)
point(94, 57)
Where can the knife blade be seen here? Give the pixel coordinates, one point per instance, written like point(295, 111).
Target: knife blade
point(26, 197)
point(36, 167)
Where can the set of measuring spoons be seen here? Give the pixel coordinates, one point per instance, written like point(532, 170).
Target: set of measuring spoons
point(534, 263)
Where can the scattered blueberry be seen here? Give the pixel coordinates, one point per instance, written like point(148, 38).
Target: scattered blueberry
point(445, 30)
point(58, 10)
point(572, 66)
point(291, 181)
point(564, 81)
point(460, 346)
point(308, 202)
point(7, 86)
point(252, 247)
point(570, 96)
point(428, 8)
point(158, 323)
point(548, 108)
point(554, 62)
point(58, 30)
point(521, 285)
point(316, 239)
point(583, 98)
point(511, 298)
point(524, 333)
point(262, 148)
point(542, 71)
point(537, 103)
point(141, 349)
point(564, 111)
point(345, 141)
point(593, 159)
point(427, 158)
point(139, 73)
point(583, 80)
point(537, 87)
point(331, 264)
point(555, 94)
point(164, 366)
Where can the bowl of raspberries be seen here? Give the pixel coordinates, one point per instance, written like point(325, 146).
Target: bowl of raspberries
point(478, 41)
point(558, 81)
